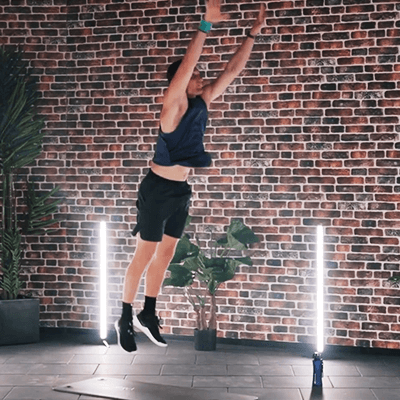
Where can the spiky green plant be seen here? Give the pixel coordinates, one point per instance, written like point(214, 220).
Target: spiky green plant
point(191, 263)
point(11, 247)
point(21, 137)
point(40, 208)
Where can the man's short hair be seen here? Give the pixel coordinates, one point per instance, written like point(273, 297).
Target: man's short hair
point(172, 69)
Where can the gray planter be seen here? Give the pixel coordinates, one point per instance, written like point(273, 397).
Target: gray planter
point(205, 340)
point(19, 321)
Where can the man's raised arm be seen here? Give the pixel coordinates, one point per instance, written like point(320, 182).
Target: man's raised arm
point(237, 62)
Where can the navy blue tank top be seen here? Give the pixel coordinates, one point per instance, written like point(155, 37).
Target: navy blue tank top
point(184, 146)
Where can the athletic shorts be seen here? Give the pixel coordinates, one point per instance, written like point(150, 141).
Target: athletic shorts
point(163, 206)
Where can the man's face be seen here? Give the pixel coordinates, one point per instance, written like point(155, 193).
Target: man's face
point(196, 84)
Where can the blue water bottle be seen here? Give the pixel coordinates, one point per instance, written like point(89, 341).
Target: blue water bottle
point(318, 366)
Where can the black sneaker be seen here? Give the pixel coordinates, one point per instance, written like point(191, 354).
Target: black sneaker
point(149, 324)
point(126, 335)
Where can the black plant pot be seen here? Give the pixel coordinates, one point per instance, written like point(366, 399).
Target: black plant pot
point(205, 340)
point(19, 321)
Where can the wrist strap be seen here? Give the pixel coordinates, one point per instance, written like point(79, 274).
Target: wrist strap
point(205, 26)
point(250, 35)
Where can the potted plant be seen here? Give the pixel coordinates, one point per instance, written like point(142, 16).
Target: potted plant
point(21, 138)
point(201, 272)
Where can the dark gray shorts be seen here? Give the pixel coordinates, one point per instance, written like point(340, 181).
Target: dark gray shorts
point(163, 206)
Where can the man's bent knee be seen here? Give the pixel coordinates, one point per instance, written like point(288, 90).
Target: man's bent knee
point(145, 251)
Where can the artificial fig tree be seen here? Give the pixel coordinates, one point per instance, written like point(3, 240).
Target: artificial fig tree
point(209, 268)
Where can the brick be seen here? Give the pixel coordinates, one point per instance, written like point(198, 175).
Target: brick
point(306, 135)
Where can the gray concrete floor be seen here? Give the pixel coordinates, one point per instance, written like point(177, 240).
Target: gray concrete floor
point(28, 372)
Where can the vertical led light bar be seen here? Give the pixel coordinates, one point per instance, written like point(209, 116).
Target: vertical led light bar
point(318, 363)
point(320, 289)
point(103, 280)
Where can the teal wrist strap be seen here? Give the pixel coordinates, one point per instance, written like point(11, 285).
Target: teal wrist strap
point(205, 26)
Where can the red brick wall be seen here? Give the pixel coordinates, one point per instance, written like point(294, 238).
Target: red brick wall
point(307, 135)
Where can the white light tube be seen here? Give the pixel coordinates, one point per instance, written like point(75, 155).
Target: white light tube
point(320, 289)
point(103, 280)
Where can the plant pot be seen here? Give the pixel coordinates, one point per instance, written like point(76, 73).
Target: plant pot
point(205, 340)
point(19, 321)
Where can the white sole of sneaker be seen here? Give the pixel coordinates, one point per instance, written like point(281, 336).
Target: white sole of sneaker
point(118, 336)
point(146, 331)
point(117, 330)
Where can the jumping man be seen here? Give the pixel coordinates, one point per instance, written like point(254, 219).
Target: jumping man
point(164, 194)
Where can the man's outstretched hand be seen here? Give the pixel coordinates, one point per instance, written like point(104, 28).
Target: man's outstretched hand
point(260, 22)
point(213, 12)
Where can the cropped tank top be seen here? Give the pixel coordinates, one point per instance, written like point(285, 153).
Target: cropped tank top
point(184, 146)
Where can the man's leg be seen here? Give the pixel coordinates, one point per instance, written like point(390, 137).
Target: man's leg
point(145, 251)
point(147, 321)
point(159, 264)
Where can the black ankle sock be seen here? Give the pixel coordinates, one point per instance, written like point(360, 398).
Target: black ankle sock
point(149, 305)
point(126, 311)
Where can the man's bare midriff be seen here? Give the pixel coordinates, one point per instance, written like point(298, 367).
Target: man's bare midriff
point(174, 173)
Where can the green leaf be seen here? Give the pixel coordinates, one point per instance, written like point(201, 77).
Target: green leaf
point(244, 260)
point(205, 275)
point(212, 286)
point(188, 220)
point(11, 256)
point(241, 233)
point(40, 208)
point(238, 236)
point(226, 272)
point(193, 264)
point(21, 132)
point(180, 276)
point(223, 241)
point(213, 262)
point(184, 249)
point(233, 243)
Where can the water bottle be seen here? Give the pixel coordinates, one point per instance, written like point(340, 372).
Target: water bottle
point(318, 366)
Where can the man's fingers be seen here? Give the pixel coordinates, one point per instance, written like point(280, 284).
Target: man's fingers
point(263, 9)
point(224, 17)
point(214, 3)
point(262, 13)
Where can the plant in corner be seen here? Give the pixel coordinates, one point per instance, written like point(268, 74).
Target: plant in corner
point(201, 272)
point(21, 137)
